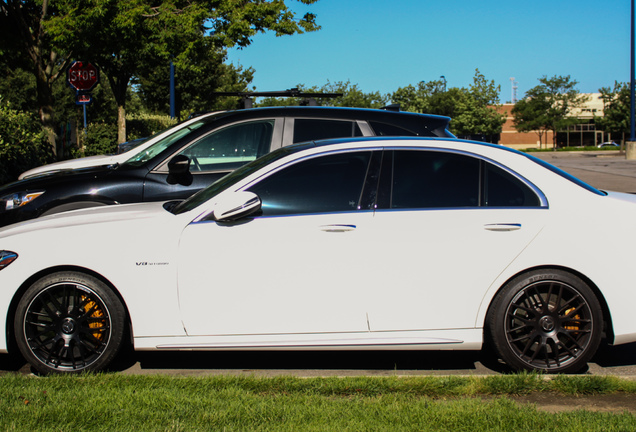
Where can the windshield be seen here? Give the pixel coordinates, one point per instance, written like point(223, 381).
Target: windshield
point(179, 131)
point(234, 177)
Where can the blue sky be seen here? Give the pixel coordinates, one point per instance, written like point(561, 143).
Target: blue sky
point(384, 45)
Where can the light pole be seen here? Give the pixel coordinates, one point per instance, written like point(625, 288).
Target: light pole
point(630, 149)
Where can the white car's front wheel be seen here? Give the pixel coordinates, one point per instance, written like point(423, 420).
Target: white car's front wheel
point(69, 322)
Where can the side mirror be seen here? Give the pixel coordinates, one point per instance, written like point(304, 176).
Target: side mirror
point(236, 206)
point(179, 170)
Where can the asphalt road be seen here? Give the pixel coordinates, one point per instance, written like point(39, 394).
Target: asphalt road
point(605, 170)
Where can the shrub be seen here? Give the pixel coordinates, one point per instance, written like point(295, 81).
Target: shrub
point(23, 144)
point(145, 125)
point(98, 139)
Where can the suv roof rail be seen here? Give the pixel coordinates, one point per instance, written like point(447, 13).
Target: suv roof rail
point(310, 98)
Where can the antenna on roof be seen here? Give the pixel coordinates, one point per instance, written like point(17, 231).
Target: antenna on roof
point(514, 83)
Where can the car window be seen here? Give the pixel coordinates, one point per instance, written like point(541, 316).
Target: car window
point(502, 189)
point(431, 179)
point(385, 129)
point(230, 147)
point(331, 183)
point(316, 129)
point(179, 132)
point(423, 179)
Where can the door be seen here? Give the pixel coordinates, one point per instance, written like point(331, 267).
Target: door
point(448, 224)
point(292, 270)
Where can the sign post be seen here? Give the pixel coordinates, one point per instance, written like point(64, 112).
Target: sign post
point(82, 77)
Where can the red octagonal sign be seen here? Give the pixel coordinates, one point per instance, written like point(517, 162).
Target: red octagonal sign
point(82, 76)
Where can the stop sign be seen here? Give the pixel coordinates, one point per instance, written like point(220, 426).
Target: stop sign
point(82, 76)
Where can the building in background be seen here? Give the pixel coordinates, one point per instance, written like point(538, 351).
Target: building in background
point(583, 133)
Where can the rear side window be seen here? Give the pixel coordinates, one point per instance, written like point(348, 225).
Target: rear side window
point(414, 179)
point(423, 179)
point(317, 129)
point(502, 189)
point(385, 129)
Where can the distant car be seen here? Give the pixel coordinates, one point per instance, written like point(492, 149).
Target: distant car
point(611, 144)
point(372, 244)
point(190, 157)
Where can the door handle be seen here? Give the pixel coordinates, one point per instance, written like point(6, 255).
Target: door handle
point(503, 227)
point(337, 228)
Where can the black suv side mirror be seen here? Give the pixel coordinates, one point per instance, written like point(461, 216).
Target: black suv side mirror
point(179, 170)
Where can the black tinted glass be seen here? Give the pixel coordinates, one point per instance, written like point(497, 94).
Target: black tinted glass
point(502, 189)
point(385, 129)
point(331, 183)
point(425, 179)
point(316, 129)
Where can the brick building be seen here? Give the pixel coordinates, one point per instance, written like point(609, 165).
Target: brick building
point(583, 133)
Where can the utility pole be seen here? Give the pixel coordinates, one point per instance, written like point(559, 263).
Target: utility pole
point(630, 152)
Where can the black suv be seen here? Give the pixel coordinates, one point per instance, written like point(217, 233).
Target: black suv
point(194, 156)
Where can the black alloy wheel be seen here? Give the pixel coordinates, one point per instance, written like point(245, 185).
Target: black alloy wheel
point(548, 321)
point(68, 323)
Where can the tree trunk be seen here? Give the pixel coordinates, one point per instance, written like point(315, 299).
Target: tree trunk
point(45, 104)
point(119, 86)
point(121, 124)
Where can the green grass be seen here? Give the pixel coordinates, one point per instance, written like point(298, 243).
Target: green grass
point(160, 403)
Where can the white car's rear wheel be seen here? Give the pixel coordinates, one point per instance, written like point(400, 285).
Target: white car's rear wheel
point(69, 322)
point(546, 320)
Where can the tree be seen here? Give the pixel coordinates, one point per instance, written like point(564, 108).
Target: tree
point(352, 96)
point(195, 80)
point(530, 115)
point(548, 106)
point(22, 29)
point(472, 111)
point(476, 112)
point(616, 108)
point(124, 37)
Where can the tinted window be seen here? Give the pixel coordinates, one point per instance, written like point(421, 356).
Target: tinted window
point(425, 179)
point(316, 129)
point(385, 129)
point(230, 147)
point(502, 189)
point(331, 183)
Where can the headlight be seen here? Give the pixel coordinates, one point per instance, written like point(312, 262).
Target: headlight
point(18, 199)
point(6, 258)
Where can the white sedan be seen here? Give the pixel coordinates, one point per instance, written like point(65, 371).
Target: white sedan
point(385, 243)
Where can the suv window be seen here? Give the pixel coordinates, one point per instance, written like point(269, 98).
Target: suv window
point(316, 129)
point(385, 129)
point(230, 147)
point(331, 183)
point(428, 179)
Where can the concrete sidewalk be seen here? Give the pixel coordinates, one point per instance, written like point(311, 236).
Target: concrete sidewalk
point(606, 170)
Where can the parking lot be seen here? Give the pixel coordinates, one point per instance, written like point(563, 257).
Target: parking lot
point(607, 170)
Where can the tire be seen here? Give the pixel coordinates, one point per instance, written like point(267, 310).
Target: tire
point(545, 320)
point(69, 322)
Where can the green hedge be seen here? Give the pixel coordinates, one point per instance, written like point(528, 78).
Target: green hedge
point(23, 144)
